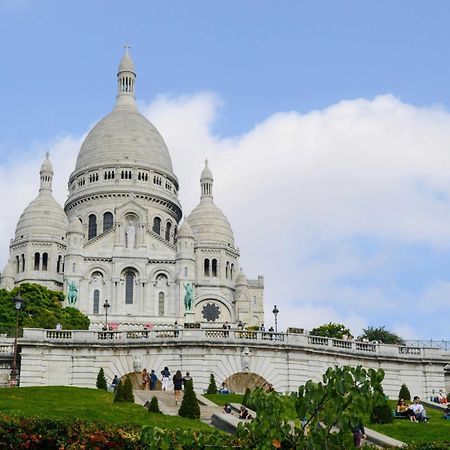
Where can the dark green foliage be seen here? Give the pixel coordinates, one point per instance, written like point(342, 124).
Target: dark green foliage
point(189, 406)
point(381, 414)
point(382, 335)
point(41, 309)
point(331, 330)
point(246, 399)
point(404, 393)
point(127, 391)
point(154, 406)
point(119, 394)
point(101, 380)
point(212, 387)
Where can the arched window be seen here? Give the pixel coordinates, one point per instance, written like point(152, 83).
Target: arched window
point(17, 264)
point(96, 301)
point(107, 221)
point(59, 264)
point(232, 271)
point(129, 288)
point(37, 260)
point(92, 227)
point(44, 261)
point(214, 267)
point(22, 260)
point(206, 268)
point(161, 304)
point(227, 270)
point(74, 266)
point(185, 271)
point(157, 225)
point(168, 229)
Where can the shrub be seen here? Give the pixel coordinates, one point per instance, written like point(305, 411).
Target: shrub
point(404, 393)
point(101, 380)
point(127, 391)
point(246, 398)
point(118, 396)
point(212, 387)
point(189, 406)
point(331, 330)
point(381, 414)
point(154, 406)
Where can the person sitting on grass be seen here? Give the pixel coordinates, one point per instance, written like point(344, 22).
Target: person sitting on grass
point(419, 411)
point(243, 413)
point(405, 411)
point(447, 412)
point(224, 389)
point(442, 399)
point(227, 408)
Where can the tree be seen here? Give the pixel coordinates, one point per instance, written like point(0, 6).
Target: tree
point(246, 398)
point(382, 335)
point(212, 387)
point(325, 411)
point(331, 330)
point(189, 406)
point(101, 380)
point(154, 406)
point(118, 396)
point(41, 309)
point(404, 393)
point(127, 391)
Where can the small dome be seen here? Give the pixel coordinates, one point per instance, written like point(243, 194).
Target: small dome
point(42, 218)
point(241, 279)
point(185, 231)
point(46, 165)
point(126, 63)
point(209, 224)
point(75, 226)
point(206, 173)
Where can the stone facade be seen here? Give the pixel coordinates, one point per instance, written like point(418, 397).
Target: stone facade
point(119, 236)
point(73, 358)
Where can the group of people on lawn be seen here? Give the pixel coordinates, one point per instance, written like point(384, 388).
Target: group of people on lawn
point(415, 411)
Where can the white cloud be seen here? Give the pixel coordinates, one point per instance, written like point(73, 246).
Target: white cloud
point(303, 194)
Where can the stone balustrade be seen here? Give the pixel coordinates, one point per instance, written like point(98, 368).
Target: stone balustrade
point(234, 336)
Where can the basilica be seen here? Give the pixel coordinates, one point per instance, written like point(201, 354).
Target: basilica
point(120, 239)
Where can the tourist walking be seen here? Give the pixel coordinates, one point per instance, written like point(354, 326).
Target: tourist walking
point(165, 378)
point(186, 378)
point(177, 385)
point(145, 379)
point(153, 380)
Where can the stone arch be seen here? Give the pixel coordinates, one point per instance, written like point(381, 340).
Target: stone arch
point(159, 271)
point(240, 381)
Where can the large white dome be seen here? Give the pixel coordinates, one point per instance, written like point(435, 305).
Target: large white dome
point(124, 137)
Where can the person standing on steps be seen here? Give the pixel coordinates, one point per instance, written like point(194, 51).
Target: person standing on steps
point(165, 378)
point(153, 380)
point(177, 386)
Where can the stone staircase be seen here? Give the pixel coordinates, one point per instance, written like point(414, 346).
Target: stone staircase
point(166, 401)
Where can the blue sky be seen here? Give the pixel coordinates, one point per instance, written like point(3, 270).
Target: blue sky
point(335, 113)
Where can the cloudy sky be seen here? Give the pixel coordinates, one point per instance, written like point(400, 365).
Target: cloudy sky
point(326, 124)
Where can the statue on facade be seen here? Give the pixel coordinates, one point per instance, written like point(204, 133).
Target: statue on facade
point(188, 296)
point(130, 234)
point(72, 293)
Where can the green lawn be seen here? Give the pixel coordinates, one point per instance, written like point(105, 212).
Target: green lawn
point(85, 404)
point(437, 429)
point(221, 399)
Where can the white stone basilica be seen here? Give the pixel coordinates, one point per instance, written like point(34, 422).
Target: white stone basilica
point(118, 238)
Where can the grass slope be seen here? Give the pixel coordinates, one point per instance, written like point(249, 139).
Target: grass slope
point(221, 399)
point(437, 429)
point(85, 404)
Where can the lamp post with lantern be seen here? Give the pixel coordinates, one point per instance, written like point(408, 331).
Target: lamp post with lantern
point(18, 303)
point(106, 305)
point(275, 312)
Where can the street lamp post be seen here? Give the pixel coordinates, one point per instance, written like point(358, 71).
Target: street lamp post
point(106, 305)
point(275, 312)
point(18, 302)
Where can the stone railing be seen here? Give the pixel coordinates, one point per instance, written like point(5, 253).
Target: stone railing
point(232, 336)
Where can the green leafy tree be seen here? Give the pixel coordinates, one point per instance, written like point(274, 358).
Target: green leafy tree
point(404, 393)
point(189, 406)
point(42, 308)
point(331, 330)
point(380, 334)
point(382, 414)
point(101, 380)
point(246, 398)
point(325, 412)
point(154, 406)
point(212, 387)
